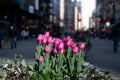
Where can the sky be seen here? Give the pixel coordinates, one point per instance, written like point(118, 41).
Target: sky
point(87, 8)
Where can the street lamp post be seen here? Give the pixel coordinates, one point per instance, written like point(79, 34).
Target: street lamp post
point(113, 11)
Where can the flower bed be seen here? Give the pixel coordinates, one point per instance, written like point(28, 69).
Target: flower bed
point(83, 37)
point(56, 59)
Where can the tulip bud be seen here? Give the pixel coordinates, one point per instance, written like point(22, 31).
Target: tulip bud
point(47, 34)
point(69, 42)
point(47, 49)
point(55, 50)
point(39, 38)
point(75, 49)
point(61, 45)
point(49, 39)
point(81, 45)
point(41, 58)
point(44, 39)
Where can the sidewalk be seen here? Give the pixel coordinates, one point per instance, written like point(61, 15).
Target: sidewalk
point(102, 56)
point(26, 48)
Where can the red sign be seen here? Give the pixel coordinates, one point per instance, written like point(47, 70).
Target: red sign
point(99, 19)
point(61, 20)
point(79, 19)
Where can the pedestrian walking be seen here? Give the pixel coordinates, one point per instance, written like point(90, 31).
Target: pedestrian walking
point(1, 37)
point(24, 34)
point(13, 37)
point(115, 37)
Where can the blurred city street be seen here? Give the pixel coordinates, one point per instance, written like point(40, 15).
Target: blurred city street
point(101, 54)
point(90, 22)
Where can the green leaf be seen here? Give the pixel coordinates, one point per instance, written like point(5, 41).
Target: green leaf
point(3, 74)
point(71, 64)
point(30, 67)
point(18, 70)
point(30, 73)
point(79, 65)
point(53, 61)
point(12, 69)
point(85, 71)
point(38, 52)
point(56, 68)
point(46, 59)
point(69, 52)
point(66, 77)
point(23, 63)
point(6, 63)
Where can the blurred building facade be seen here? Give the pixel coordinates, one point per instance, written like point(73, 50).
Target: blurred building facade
point(21, 13)
point(18, 12)
point(46, 10)
point(56, 11)
point(107, 11)
point(67, 13)
point(77, 16)
point(63, 11)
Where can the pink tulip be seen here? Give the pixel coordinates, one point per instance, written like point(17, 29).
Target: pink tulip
point(44, 39)
point(61, 45)
point(75, 49)
point(49, 39)
point(47, 34)
point(40, 37)
point(47, 49)
point(57, 41)
point(55, 50)
point(41, 58)
point(53, 41)
point(74, 45)
point(81, 45)
point(68, 38)
point(69, 42)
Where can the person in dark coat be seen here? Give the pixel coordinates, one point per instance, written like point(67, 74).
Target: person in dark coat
point(13, 37)
point(115, 37)
point(1, 37)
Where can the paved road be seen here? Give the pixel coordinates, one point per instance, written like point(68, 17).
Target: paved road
point(26, 48)
point(101, 54)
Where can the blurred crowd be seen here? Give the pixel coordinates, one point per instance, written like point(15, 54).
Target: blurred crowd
point(12, 34)
point(110, 33)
